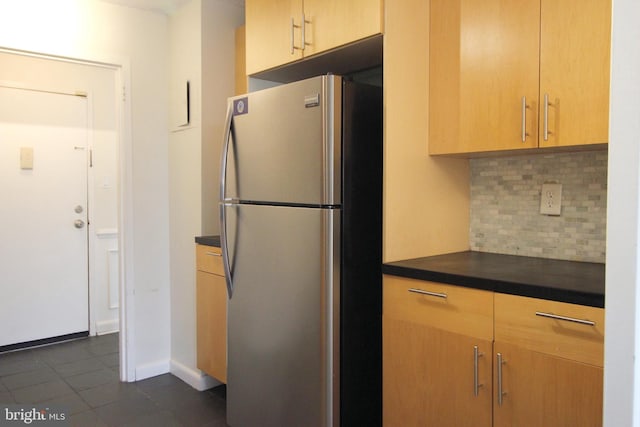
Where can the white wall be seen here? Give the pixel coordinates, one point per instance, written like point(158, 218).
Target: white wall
point(220, 18)
point(622, 342)
point(93, 30)
point(201, 51)
point(185, 188)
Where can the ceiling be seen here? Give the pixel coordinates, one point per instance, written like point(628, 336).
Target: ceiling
point(162, 6)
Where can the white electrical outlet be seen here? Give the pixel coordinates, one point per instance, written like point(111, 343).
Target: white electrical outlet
point(551, 199)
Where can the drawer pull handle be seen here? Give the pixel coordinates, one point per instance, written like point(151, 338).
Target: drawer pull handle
point(567, 319)
point(432, 294)
point(476, 383)
point(213, 254)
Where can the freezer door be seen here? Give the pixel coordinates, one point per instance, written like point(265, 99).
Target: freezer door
point(285, 144)
point(283, 351)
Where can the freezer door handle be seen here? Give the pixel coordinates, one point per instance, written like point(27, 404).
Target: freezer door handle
point(224, 243)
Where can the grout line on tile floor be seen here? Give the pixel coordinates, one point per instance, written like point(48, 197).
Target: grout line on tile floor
point(83, 376)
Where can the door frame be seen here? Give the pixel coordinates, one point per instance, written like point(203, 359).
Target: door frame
point(121, 67)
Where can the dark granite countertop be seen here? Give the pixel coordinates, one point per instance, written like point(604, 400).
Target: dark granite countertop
point(564, 281)
point(208, 240)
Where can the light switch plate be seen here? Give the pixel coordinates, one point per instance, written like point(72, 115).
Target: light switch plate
point(551, 199)
point(26, 158)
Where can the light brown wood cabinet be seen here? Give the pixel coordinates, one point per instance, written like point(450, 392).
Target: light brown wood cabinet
point(449, 352)
point(430, 334)
point(518, 75)
point(282, 31)
point(552, 357)
point(240, 77)
point(211, 312)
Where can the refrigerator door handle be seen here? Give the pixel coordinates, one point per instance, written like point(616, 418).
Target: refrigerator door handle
point(224, 243)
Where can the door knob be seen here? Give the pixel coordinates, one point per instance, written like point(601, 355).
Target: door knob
point(78, 223)
point(78, 209)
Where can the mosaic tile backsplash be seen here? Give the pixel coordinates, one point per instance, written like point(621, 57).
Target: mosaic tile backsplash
point(505, 206)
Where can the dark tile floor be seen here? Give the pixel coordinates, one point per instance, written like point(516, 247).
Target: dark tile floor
point(82, 376)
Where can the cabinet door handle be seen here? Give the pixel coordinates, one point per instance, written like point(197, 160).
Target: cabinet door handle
point(476, 355)
point(303, 42)
point(293, 27)
point(524, 119)
point(213, 254)
point(500, 361)
point(546, 117)
point(565, 318)
point(291, 38)
point(433, 294)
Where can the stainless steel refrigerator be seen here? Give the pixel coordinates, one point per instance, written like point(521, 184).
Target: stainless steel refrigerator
point(300, 210)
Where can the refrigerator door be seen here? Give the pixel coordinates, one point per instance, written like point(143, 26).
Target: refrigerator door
point(282, 318)
point(284, 147)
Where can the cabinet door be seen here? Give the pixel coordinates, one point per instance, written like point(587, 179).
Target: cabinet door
point(211, 308)
point(544, 390)
point(428, 377)
point(574, 71)
point(333, 23)
point(429, 333)
point(269, 33)
point(483, 61)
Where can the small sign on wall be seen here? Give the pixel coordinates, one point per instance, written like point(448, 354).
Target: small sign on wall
point(181, 105)
point(26, 158)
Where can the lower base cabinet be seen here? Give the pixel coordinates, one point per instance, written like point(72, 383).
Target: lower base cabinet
point(454, 356)
point(433, 377)
point(437, 342)
point(211, 313)
point(543, 390)
point(552, 357)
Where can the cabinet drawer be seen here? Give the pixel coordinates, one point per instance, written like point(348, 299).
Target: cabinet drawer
point(565, 330)
point(209, 259)
point(450, 308)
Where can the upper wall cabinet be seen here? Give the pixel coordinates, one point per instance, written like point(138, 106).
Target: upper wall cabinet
point(507, 75)
point(282, 31)
point(272, 33)
point(575, 44)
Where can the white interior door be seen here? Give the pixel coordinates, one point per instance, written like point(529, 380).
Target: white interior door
point(43, 215)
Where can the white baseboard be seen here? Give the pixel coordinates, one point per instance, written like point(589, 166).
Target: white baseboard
point(194, 377)
point(152, 369)
point(107, 326)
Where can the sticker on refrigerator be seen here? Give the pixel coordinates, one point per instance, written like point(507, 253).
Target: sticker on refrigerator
point(240, 106)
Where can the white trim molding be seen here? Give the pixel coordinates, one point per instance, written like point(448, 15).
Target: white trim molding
point(107, 233)
point(107, 326)
point(152, 369)
point(112, 278)
point(194, 377)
